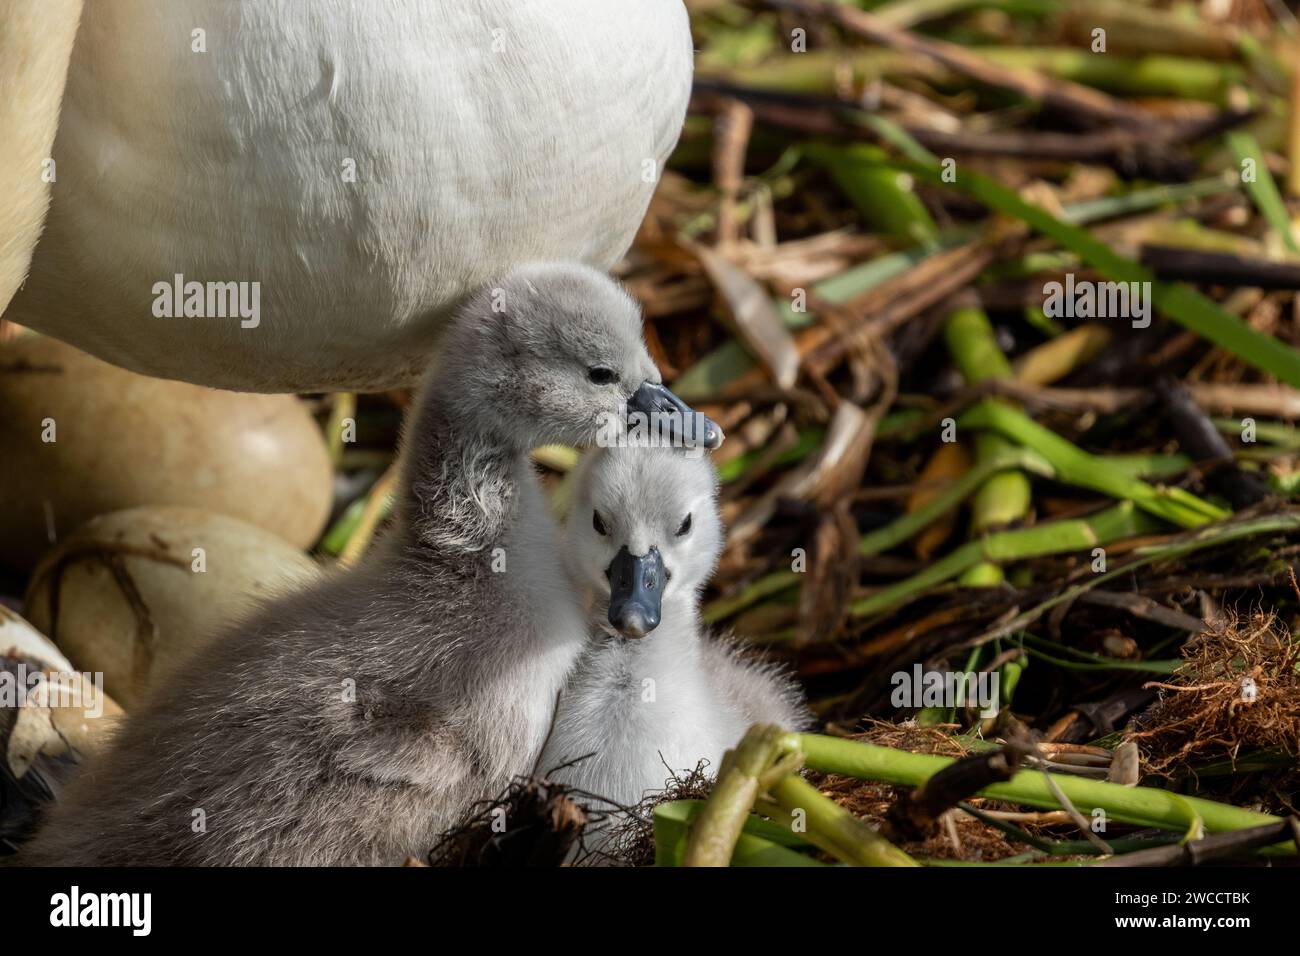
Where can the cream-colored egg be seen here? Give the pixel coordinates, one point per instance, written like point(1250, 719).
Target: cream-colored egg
point(80, 438)
point(133, 592)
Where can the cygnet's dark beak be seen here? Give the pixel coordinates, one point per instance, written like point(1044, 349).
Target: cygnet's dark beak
point(636, 592)
point(684, 425)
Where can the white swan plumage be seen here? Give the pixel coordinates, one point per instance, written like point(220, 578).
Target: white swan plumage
point(220, 141)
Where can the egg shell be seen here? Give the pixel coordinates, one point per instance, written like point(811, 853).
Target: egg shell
point(122, 440)
point(79, 723)
point(135, 591)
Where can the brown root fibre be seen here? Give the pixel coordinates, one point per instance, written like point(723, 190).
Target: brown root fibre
point(533, 823)
point(632, 838)
point(1236, 693)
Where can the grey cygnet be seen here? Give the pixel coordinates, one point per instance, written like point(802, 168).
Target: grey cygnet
point(353, 722)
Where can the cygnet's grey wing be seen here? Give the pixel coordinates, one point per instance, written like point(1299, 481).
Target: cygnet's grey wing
point(762, 691)
point(248, 753)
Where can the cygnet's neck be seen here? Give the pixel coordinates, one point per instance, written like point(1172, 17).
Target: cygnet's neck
point(674, 643)
point(460, 478)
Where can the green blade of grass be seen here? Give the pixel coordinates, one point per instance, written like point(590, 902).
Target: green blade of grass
point(1094, 662)
point(1261, 188)
point(884, 198)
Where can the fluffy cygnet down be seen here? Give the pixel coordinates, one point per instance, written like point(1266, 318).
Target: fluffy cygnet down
point(653, 692)
point(354, 722)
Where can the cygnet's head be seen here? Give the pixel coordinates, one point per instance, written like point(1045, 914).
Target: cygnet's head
point(643, 535)
point(553, 353)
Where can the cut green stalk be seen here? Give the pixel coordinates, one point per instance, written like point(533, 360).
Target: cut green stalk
point(340, 533)
point(1077, 467)
point(764, 761)
point(905, 527)
point(824, 71)
point(883, 197)
point(761, 842)
point(1261, 187)
point(1139, 28)
point(719, 823)
point(1191, 235)
point(764, 587)
point(1053, 537)
point(1276, 433)
point(755, 851)
point(1181, 77)
point(1140, 806)
point(1005, 498)
point(834, 829)
point(1148, 466)
point(1141, 200)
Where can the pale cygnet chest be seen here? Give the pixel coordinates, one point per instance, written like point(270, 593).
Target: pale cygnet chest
point(532, 583)
point(637, 713)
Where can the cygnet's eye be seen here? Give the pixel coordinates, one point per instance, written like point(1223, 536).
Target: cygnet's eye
point(602, 375)
point(598, 523)
point(685, 528)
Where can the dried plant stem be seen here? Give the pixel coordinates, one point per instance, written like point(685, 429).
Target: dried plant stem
point(344, 408)
point(370, 518)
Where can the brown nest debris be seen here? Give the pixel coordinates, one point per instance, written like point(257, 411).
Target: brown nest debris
point(1236, 695)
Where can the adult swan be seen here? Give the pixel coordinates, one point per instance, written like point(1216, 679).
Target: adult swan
point(284, 196)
